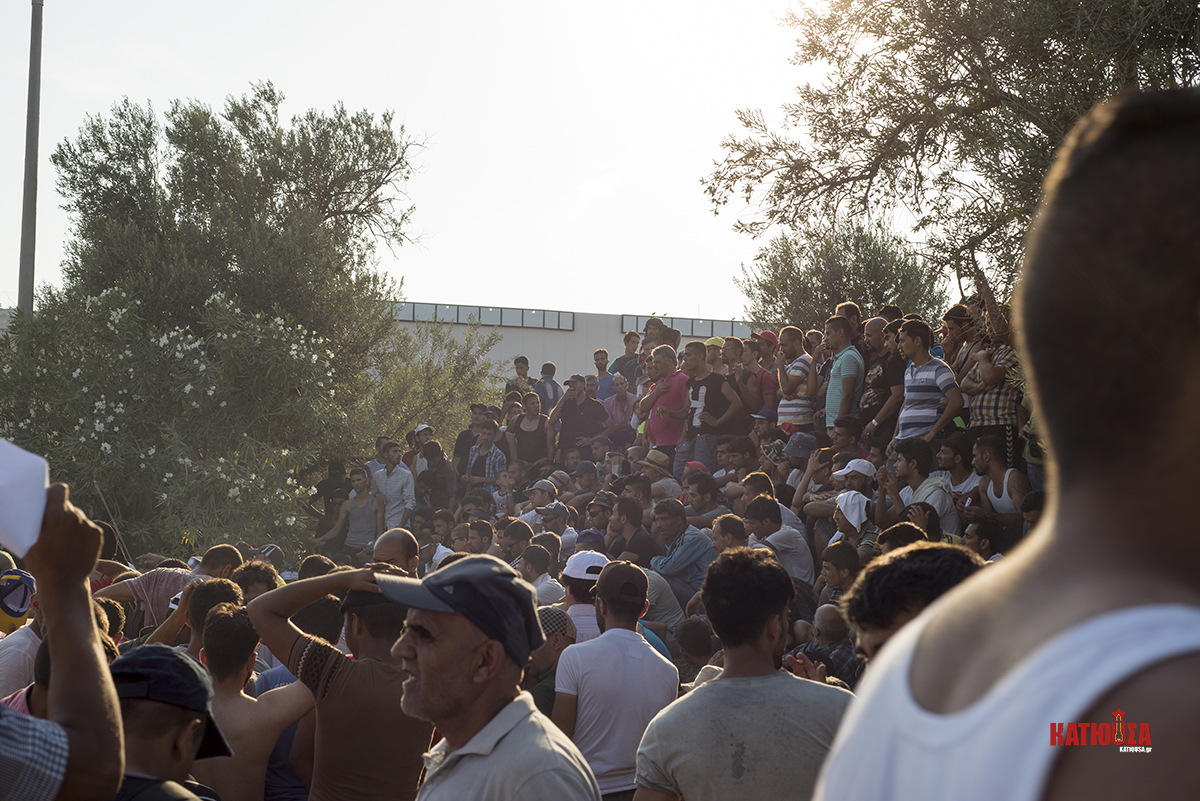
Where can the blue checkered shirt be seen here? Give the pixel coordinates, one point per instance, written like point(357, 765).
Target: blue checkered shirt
point(33, 757)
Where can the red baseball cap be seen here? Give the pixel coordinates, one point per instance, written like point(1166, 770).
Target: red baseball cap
point(767, 336)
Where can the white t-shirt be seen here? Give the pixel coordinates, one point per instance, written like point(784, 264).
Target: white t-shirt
point(791, 549)
point(584, 617)
point(17, 651)
point(759, 737)
point(941, 501)
point(621, 683)
point(549, 591)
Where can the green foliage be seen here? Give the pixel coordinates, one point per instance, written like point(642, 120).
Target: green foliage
point(949, 110)
point(191, 438)
point(798, 279)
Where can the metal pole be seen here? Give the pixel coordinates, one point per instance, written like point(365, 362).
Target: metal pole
point(29, 207)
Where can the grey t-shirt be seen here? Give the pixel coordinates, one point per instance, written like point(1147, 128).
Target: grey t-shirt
point(762, 737)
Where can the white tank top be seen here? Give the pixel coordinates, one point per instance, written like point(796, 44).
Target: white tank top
point(999, 748)
point(1001, 503)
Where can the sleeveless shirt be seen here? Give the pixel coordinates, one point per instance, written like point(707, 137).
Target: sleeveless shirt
point(999, 748)
point(1001, 503)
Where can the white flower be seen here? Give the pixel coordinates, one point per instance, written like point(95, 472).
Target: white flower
point(187, 388)
point(234, 492)
point(222, 404)
point(168, 475)
point(105, 447)
point(291, 521)
point(151, 451)
point(76, 373)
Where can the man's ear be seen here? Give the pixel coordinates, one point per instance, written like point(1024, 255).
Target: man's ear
point(489, 660)
point(185, 743)
point(203, 658)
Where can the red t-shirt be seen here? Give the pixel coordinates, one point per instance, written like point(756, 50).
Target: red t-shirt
point(666, 431)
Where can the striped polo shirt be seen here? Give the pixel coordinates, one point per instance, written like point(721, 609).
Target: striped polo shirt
point(925, 389)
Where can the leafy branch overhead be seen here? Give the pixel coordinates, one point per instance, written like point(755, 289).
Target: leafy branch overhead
point(951, 111)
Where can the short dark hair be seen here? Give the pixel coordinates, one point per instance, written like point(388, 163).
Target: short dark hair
point(518, 530)
point(851, 424)
point(382, 619)
point(114, 615)
point(907, 580)
point(764, 507)
point(1034, 501)
point(207, 595)
point(704, 482)
point(732, 526)
point(919, 330)
point(359, 471)
point(694, 636)
point(960, 444)
point(901, 534)
point(254, 572)
point(743, 588)
point(219, 556)
point(631, 335)
point(1000, 538)
point(847, 307)
point(490, 426)
point(639, 483)
point(432, 449)
point(321, 618)
point(743, 445)
point(843, 556)
point(841, 324)
point(549, 369)
point(891, 312)
point(229, 640)
point(551, 542)
point(537, 557)
point(994, 446)
point(598, 351)
point(759, 482)
point(582, 590)
point(630, 509)
point(672, 507)
point(521, 360)
point(933, 529)
point(315, 565)
point(915, 449)
point(666, 352)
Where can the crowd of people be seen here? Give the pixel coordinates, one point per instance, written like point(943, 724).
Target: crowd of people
point(674, 575)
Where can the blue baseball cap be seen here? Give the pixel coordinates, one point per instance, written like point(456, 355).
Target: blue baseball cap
point(485, 591)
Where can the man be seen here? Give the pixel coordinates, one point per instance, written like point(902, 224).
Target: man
point(579, 580)
point(765, 524)
point(548, 390)
point(883, 388)
point(846, 373)
point(603, 378)
point(468, 437)
point(541, 494)
point(554, 519)
point(485, 460)
point(587, 482)
point(988, 539)
point(619, 408)
point(761, 379)
point(728, 532)
point(471, 629)
point(773, 729)
point(397, 547)
point(847, 432)
point(166, 714)
point(626, 365)
point(600, 510)
point(152, 592)
point(1001, 488)
point(689, 552)
point(250, 726)
point(955, 461)
point(713, 348)
point(995, 397)
point(77, 752)
point(395, 483)
point(608, 689)
point(440, 475)
point(960, 327)
point(195, 602)
point(362, 516)
point(832, 645)
point(514, 540)
point(582, 417)
point(913, 483)
point(793, 366)
point(931, 398)
point(479, 536)
point(664, 406)
point(521, 382)
point(423, 435)
point(590, 539)
point(542, 672)
point(703, 497)
point(19, 647)
point(534, 567)
point(628, 540)
point(713, 404)
point(366, 746)
point(767, 342)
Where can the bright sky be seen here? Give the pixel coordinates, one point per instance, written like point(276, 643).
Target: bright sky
point(566, 141)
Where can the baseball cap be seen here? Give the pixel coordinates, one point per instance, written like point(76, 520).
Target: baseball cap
point(480, 406)
point(16, 594)
point(584, 467)
point(160, 673)
point(559, 479)
point(622, 581)
point(606, 499)
point(585, 565)
point(590, 535)
point(857, 466)
point(423, 427)
point(486, 592)
point(556, 621)
point(575, 378)
point(714, 342)
point(766, 336)
point(492, 410)
point(801, 445)
point(546, 485)
point(766, 414)
point(554, 508)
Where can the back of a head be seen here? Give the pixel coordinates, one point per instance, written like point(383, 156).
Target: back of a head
point(256, 571)
point(383, 619)
point(315, 565)
point(537, 557)
point(229, 640)
point(694, 636)
point(1114, 251)
point(114, 615)
point(321, 618)
point(764, 508)
point(219, 556)
point(551, 542)
point(759, 483)
point(207, 594)
point(907, 580)
point(743, 588)
point(899, 535)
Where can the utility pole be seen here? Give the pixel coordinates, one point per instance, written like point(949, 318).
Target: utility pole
point(29, 205)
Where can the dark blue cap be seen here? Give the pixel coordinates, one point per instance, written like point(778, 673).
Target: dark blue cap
point(485, 591)
point(160, 673)
point(591, 535)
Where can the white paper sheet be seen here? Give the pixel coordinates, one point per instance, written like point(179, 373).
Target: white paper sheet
point(24, 479)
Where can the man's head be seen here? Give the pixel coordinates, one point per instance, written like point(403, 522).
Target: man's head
point(987, 538)
point(600, 359)
point(535, 562)
point(255, 577)
point(425, 434)
point(664, 361)
point(894, 588)
point(763, 516)
point(600, 510)
point(548, 370)
point(458, 538)
point(369, 617)
point(857, 474)
point(731, 350)
point(839, 565)
point(620, 595)
point(586, 474)
point(960, 323)
point(915, 338)
point(628, 514)
point(521, 365)
point(701, 491)
point(397, 547)
point(229, 643)
point(220, 561)
point(729, 532)
point(850, 515)
point(671, 520)
point(591, 385)
point(987, 452)
point(580, 574)
point(899, 535)
point(746, 594)
point(849, 309)
point(693, 359)
point(479, 536)
point(392, 452)
point(477, 413)
point(542, 492)
point(632, 339)
point(571, 459)
point(1032, 506)
point(873, 335)
point(954, 453)
point(791, 342)
point(846, 433)
point(914, 458)
point(695, 641)
point(554, 517)
point(206, 595)
point(515, 539)
point(829, 624)
point(166, 710)
point(838, 334)
point(560, 632)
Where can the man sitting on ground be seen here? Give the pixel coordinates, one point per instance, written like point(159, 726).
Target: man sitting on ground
point(542, 672)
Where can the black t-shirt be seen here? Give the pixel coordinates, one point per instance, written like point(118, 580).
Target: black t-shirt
point(462, 449)
point(626, 366)
point(883, 374)
point(706, 396)
point(641, 543)
point(139, 788)
point(741, 422)
point(585, 419)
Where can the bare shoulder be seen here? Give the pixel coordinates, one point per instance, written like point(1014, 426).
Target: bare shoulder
point(1159, 708)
